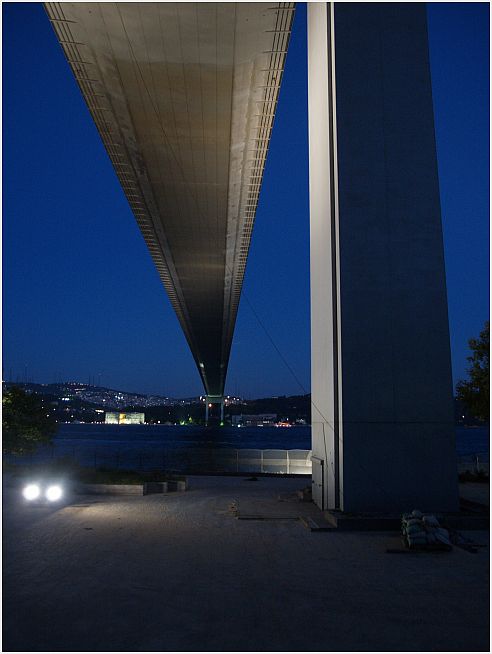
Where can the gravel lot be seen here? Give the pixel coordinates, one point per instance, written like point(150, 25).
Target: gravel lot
point(180, 573)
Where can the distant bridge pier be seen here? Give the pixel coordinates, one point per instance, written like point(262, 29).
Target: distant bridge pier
point(382, 414)
point(210, 400)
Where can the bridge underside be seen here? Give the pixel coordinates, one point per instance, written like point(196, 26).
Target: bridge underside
point(184, 97)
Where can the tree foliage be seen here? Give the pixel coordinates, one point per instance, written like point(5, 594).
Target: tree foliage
point(475, 392)
point(25, 422)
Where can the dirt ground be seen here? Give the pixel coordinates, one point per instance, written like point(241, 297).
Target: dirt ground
point(181, 572)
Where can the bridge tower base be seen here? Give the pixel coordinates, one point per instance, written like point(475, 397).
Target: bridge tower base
point(382, 411)
point(210, 400)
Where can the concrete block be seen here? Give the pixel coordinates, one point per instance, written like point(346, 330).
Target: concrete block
point(152, 487)
point(111, 489)
point(339, 520)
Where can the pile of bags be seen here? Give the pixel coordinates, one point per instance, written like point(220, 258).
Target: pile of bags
point(423, 531)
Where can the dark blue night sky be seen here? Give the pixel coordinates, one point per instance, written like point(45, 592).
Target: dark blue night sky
point(81, 295)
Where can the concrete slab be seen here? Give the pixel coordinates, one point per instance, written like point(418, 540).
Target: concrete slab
point(338, 520)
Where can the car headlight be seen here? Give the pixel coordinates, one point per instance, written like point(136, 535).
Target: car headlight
point(53, 493)
point(31, 492)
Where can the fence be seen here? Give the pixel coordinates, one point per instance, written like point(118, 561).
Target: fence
point(194, 460)
point(184, 460)
point(477, 463)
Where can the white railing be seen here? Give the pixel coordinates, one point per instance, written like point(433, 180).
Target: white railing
point(209, 460)
point(181, 459)
point(279, 461)
point(474, 463)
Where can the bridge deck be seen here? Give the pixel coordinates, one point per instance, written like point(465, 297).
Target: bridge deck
point(184, 97)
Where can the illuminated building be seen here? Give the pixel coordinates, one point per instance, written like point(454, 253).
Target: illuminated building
point(116, 418)
point(260, 420)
